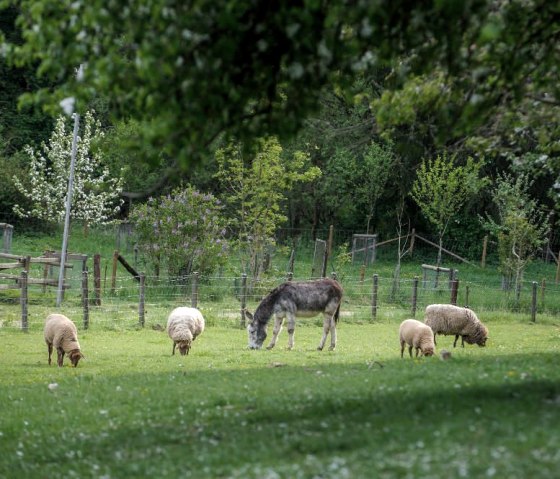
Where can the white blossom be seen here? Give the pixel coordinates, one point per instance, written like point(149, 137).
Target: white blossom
point(96, 195)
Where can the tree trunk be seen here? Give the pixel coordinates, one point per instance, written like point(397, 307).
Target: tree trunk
point(439, 251)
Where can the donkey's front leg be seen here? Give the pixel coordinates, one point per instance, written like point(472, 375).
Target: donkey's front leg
point(276, 331)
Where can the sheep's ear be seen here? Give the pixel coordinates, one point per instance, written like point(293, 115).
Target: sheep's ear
point(248, 315)
point(82, 355)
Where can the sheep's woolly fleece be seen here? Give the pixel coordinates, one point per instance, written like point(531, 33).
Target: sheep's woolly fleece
point(448, 319)
point(418, 335)
point(61, 332)
point(184, 325)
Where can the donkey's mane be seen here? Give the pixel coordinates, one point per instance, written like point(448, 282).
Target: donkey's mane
point(265, 308)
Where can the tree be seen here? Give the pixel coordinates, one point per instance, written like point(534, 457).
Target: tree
point(96, 195)
point(442, 188)
point(185, 230)
point(520, 226)
point(254, 189)
point(251, 69)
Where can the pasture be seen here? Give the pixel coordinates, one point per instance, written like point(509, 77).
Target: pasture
point(130, 409)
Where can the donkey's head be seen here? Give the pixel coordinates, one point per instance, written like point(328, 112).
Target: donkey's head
point(256, 332)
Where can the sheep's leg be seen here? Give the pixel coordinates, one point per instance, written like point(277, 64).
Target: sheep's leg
point(60, 360)
point(417, 350)
point(276, 331)
point(291, 330)
point(462, 341)
point(435, 343)
point(402, 348)
point(455, 342)
point(174, 345)
point(50, 348)
point(410, 351)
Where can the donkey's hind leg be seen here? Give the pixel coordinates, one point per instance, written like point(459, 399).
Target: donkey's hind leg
point(291, 330)
point(276, 331)
point(328, 325)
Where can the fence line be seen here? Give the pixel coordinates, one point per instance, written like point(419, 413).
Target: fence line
point(224, 300)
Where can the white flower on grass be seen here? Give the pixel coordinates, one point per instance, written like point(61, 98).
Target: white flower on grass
point(52, 386)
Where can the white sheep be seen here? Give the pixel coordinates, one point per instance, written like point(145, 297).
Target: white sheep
point(61, 333)
point(416, 334)
point(183, 326)
point(448, 319)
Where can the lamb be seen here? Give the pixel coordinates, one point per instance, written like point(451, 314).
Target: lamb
point(448, 319)
point(416, 334)
point(184, 325)
point(61, 333)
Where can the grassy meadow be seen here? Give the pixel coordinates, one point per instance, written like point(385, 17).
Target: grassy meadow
point(130, 409)
point(133, 410)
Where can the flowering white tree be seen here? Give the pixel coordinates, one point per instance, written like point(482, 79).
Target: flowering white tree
point(96, 195)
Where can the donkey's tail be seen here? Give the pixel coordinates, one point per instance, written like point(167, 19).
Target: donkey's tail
point(337, 313)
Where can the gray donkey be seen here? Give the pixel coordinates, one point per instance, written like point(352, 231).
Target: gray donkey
point(292, 299)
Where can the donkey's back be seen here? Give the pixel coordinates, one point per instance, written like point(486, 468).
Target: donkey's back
point(308, 298)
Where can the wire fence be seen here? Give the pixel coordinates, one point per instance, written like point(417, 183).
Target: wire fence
point(130, 303)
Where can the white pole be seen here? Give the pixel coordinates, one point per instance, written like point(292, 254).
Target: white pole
point(68, 206)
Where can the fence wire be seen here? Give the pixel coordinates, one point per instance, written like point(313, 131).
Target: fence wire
point(221, 299)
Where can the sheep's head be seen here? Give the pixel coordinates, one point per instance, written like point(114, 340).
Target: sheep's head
point(75, 356)
point(184, 346)
point(255, 331)
point(428, 352)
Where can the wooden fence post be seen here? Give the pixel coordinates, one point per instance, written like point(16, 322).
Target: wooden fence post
point(412, 238)
point(374, 296)
point(557, 269)
point(291, 262)
point(141, 305)
point(534, 302)
point(194, 298)
point(330, 239)
point(244, 298)
point(467, 296)
point(451, 277)
point(543, 288)
point(484, 250)
point(23, 301)
point(325, 260)
point(362, 273)
point(290, 276)
point(114, 273)
point(414, 295)
point(454, 290)
point(373, 249)
point(85, 298)
point(97, 279)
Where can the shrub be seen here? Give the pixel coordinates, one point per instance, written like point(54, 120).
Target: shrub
point(184, 229)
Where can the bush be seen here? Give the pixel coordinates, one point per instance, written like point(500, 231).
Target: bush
point(184, 230)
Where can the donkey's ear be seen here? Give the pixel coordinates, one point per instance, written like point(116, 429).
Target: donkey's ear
point(248, 315)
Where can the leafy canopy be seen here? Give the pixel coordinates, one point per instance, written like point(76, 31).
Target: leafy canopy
point(200, 68)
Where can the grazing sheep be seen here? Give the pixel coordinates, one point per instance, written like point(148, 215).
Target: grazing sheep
point(416, 334)
point(61, 333)
point(183, 326)
point(448, 320)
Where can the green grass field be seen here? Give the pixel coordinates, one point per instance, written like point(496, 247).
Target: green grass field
point(133, 410)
